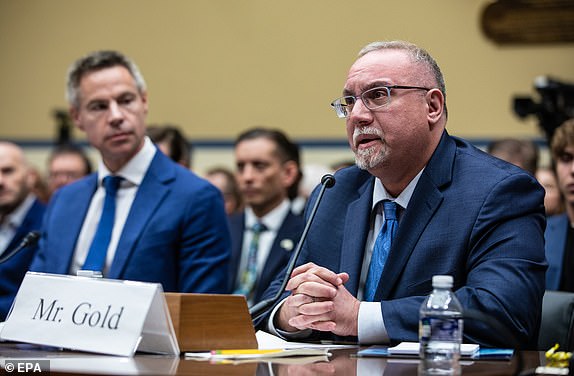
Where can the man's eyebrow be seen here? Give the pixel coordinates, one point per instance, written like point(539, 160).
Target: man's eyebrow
point(371, 85)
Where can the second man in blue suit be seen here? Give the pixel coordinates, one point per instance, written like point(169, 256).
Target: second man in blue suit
point(169, 225)
point(266, 232)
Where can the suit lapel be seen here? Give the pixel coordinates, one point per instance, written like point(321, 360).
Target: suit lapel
point(149, 195)
point(356, 224)
point(74, 210)
point(426, 199)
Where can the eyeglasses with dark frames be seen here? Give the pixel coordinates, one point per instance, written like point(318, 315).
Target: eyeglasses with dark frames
point(373, 99)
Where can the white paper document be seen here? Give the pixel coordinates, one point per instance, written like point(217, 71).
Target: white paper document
point(412, 348)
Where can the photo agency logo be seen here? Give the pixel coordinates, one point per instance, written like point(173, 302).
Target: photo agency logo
point(25, 367)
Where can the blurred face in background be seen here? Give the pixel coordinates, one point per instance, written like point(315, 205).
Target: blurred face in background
point(65, 169)
point(263, 177)
point(552, 198)
point(14, 178)
point(565, 174)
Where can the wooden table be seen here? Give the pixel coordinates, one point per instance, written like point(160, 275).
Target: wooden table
point(342, 362)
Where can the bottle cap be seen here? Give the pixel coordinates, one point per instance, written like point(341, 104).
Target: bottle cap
point(442, 281)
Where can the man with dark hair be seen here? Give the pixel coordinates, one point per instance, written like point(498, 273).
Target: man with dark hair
point(264, 234)
point(141, 217)
point(418, 203)
point(20, 213)
point(66, 164)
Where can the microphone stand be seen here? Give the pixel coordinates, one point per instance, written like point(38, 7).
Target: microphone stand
point(327, 181)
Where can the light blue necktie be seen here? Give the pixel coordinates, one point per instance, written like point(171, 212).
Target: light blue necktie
point(381, 249)
point(249, 275)
point(97, 255)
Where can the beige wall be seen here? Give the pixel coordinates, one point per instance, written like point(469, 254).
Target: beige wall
point(216, 67)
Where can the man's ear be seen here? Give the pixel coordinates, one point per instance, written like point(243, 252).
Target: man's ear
point(144, 101)
point(75, 116)
point(290, 172)
point(435, 102)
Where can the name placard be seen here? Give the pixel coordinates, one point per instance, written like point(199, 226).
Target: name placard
point(91, 314)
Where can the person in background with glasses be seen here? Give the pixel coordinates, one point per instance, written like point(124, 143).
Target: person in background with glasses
point(66, 164)
point(446, 208)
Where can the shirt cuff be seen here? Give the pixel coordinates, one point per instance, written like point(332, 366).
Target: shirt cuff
point(371, 326)
point(300, 334)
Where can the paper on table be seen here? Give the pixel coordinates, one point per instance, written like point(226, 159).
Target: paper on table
point(257, 354)
point(412, 348)
point(269, 341)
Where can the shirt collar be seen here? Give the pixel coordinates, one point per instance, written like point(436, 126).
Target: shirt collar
point(16, 218)
point(380, 193)
point(271, 220)
point(136, 168)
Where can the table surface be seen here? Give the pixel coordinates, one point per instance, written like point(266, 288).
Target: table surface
point(341, 362)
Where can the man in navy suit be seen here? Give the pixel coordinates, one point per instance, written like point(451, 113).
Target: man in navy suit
point(20, 213)
point(560, 229)
point(460, 212)
point(169, 225)
point(268, 167)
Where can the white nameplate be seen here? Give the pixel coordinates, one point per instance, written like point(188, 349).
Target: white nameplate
point(91, 314)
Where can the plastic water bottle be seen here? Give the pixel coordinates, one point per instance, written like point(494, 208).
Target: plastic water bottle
point(440, 329)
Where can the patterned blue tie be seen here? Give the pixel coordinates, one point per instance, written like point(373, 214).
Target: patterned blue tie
point(249, 275)
point(381, 249)
point(97, 255)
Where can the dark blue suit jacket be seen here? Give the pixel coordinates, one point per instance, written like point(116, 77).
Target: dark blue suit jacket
point(175, 234)
point(13, 270)
point(278, 258)
point(472, 216)
point(555, 236)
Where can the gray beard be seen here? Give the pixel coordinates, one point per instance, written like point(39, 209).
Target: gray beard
point(368, 159)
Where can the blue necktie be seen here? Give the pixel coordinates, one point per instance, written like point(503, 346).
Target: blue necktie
point(250, 273)
point(381, 249)
point(97, 255)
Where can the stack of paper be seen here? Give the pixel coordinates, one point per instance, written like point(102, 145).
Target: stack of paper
point(412, 349)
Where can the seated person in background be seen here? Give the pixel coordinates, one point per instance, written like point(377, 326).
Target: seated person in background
point(67, 163)
point(419, 203)
point(168, 226)
point(39, 185)
point(171, 141)
point(20, 213)
point(264, 234)
point(225, 180)
point(560, 228)
point(553, 200)
point(522, 153)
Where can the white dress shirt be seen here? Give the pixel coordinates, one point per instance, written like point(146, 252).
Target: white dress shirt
point(133, 173)
point(272, 221)
point(371, 326)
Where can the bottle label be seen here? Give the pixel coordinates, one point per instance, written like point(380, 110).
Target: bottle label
point(439, 329)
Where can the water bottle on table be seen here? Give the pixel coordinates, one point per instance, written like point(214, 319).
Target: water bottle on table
point(440, 329)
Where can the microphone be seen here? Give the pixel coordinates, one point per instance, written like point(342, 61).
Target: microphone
point(327, 181)
point(30, 240)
